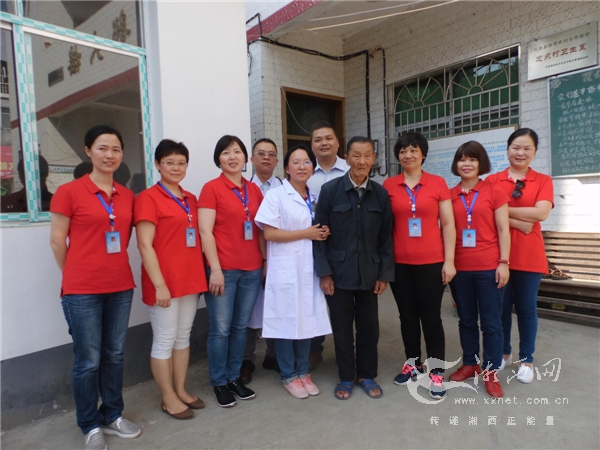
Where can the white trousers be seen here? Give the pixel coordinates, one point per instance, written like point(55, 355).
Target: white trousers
point(171, 327)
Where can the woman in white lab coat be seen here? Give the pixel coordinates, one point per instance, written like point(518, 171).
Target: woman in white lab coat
point(295, 309)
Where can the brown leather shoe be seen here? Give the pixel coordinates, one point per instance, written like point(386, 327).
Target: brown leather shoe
point(313, 360)
point(465, 372)
point(246, 371)
point(196, 404)
point(492, 384)
point(186, 414)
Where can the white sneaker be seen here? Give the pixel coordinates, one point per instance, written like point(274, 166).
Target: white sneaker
point(94, 440)
point(504, 363)
point(122, 428)
point(525, 374)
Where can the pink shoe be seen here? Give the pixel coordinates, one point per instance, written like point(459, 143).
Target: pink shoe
point(296, 389)
point(310, 387)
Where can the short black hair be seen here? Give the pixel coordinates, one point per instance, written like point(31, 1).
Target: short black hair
point(42, 165)
point(82, 168)
point(168, 147)
point(413, 138)
point(260, 141)
point(309, 152)
point(225, 142)
point(359, 140)
point(122, 175)
point(98, 130)
point(321, 124)
point(523, 132)
point(472, 149)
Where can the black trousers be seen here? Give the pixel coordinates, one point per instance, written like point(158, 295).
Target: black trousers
point(418, 291)
point(346, 308)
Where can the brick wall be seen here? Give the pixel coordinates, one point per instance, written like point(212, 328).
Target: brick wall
point(276, 67)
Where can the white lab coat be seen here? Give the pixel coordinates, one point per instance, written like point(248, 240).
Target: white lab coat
point(295, 306)
point(256, 320)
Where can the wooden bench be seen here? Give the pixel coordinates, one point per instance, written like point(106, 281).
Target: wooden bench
point(577, 299)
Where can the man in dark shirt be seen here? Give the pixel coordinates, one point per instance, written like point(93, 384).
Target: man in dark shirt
point(355, 264)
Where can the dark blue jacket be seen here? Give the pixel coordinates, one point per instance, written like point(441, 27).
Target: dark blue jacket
point(360, 250)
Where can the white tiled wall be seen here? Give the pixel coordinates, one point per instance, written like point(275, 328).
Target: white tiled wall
point(273, 68)
point(426, 41)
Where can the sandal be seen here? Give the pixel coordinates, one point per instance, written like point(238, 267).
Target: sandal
point(559, 275)
point(368, 385)
point(343, 386)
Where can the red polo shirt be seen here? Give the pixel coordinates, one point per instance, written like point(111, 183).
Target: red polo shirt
point(486, 253)
point(89, 269)
point(429, 248)
point(181, 266)
point(235, 253)
point(527, 251)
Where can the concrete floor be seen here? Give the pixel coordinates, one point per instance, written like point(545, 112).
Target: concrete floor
point(274, 419)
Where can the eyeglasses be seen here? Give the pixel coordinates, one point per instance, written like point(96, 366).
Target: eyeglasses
point(171, 164)
point(297, 163)
point(269, 155)
point(518, 192)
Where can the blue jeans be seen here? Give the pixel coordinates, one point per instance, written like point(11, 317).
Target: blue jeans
point(521, 291)
point(292, 356)
point(228, 316)
point(98, 325)
point(476, 293)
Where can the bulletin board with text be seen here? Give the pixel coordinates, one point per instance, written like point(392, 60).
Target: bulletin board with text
point(574, 112)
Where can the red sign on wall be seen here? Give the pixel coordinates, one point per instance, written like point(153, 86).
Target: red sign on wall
point(6, 162)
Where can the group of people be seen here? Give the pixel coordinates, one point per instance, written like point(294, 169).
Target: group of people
point(277, 255)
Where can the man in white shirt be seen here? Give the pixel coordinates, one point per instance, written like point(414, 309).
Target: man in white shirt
point(264, 159)
point(325, 145)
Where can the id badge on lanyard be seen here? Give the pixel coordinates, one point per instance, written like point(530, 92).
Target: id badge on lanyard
point(190, 237)
point(469, 236)
point(113, 242)
point(414, 224)
point(248, 234)
point(112, 238)
point(190, 232)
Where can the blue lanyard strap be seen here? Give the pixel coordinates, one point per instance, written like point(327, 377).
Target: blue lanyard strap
point(185, 207)
point(413, 198)
point(109, 210)
point(469, 209)
point(307, 201)
point(244, 200)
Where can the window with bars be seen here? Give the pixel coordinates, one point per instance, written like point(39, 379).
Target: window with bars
point(476, 95)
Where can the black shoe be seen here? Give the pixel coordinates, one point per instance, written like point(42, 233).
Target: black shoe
point(224, 397)
point(246, 371)
point(238, 389)
point(270, 363)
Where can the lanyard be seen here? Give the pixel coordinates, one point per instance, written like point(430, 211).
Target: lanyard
point(307, 201)
point(469, 209)
point(244, 200)
point(413, 198)
point(185, 207)
point(109, 210)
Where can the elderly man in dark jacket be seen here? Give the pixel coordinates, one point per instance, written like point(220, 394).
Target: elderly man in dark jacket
point(355, 264)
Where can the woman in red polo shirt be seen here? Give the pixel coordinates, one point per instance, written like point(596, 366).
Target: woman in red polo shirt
point(424, 256)
point(481, 260)
point(234, 249)
point(89, 235)
point(531, 200)
point(166, 222)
